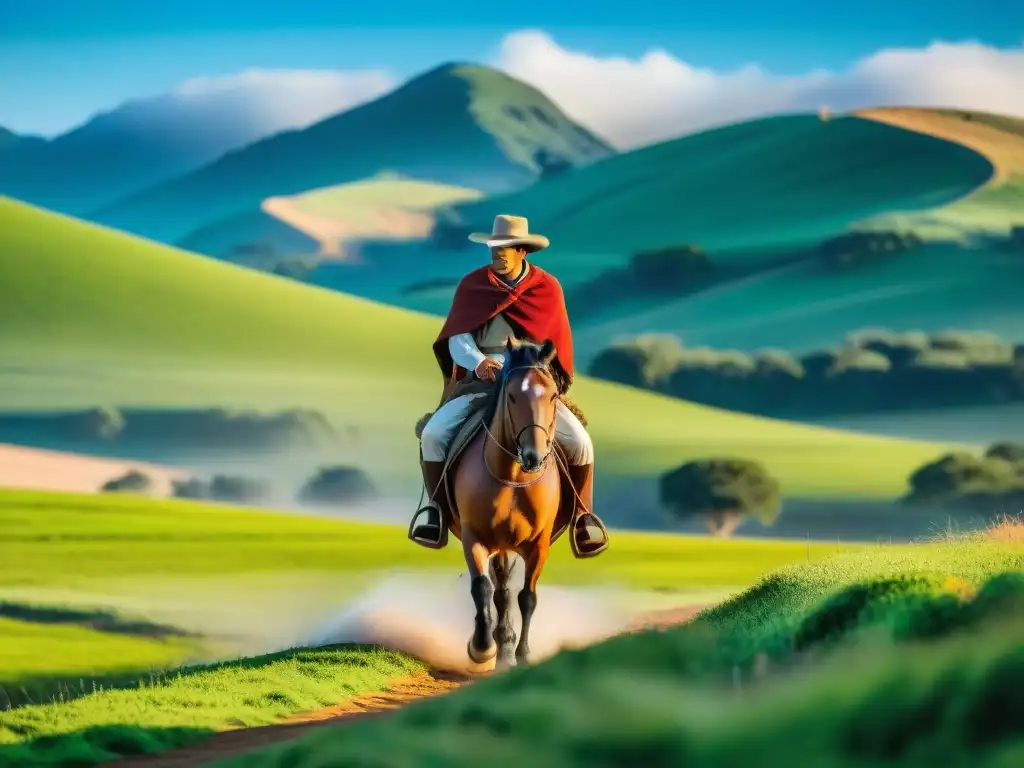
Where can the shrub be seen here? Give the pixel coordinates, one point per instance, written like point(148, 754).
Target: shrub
point(337, 485)
point(550, 163)
point(723, 491)
point(132, 481)
point(670, 269)
point(958, 474)
point(817, 364)
point(1011, 452)
point(191, 488)
point(899, 348)
point(858, 248)
point(643, 362)
point(103, 423)
point(240, 489)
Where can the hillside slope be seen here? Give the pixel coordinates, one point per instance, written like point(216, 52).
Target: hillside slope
point(772, 184)
point(323, 223)
point(961, 278)
point(89, 316)
point(456, 124)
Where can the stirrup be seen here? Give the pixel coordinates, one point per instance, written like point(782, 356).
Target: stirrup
point(427, 534)
point(601, 544)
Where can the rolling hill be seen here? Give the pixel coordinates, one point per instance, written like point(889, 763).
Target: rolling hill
point(326, 223)
point(764, 186)
point(89, 316)
point(960, 278)
point(457, 124)
point(752, 195)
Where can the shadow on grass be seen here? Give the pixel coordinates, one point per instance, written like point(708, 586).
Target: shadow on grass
point(97, 745)
point(101, 621)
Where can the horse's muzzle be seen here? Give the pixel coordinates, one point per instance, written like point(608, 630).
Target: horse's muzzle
point(530, 460)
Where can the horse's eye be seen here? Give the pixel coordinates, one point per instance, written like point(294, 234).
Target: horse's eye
point(554, 396)
point(512, 398)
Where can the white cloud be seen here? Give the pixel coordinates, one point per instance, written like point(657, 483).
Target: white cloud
point(282, 99)
point(655, 97)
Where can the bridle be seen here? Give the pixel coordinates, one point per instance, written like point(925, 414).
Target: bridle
point(518, 455)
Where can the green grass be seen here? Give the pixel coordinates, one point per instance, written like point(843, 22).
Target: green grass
point(150, 558)
point(650, 696)
point(38, 660)
point(185, 706)
point(62, 541)
point(91, 317)
point(452, 125)
point(923, 672)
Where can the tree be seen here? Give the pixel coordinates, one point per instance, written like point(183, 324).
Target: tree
point(238, 489)
point(132, 481)
point(1011, 452)
point(337, 485)
point(190, 488)
point(670, 269)
point(958, 474)
point(858, 248)
point(550, 163)
point(723, 492)
point(102, 422)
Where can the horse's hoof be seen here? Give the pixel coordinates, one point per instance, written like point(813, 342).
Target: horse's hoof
point(506, 663)
point(481, 657)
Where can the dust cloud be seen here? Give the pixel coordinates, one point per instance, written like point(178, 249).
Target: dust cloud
point(431, 618)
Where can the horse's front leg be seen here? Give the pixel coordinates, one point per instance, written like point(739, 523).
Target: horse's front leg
point(504, 634)
point(482, 647)
point(534, 561)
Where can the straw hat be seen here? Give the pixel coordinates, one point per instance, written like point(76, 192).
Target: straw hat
point(511, 230)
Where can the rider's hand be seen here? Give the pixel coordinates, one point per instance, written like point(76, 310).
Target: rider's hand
point(488, 369)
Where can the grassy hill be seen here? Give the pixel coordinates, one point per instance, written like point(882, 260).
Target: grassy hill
point(959, 279)
point(89, 316)
point(767, 185)
point(456, 124)
point(323, 223)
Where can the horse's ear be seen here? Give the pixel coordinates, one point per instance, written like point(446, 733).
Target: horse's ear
point(547, 352)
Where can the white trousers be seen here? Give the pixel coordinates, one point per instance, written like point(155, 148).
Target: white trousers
point(439, 432)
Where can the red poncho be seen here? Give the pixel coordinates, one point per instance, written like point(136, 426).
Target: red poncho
point(536, 305)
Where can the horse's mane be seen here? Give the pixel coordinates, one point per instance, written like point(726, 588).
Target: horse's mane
point(523, 354)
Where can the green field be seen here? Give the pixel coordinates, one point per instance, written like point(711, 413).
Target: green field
point(457, 124)
point(202, 568)
point(861, 660)
point(896, 615)
point(91, 317)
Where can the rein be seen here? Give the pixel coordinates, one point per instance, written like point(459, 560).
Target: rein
point(545, 462)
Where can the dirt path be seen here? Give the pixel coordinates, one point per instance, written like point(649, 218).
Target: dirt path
point(226, 744)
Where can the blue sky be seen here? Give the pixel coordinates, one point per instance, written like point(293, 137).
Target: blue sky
point(63, 60)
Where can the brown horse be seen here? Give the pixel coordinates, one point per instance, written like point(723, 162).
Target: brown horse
point(507, 495)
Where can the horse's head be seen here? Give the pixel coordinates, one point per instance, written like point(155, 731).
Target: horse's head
point(531, 397)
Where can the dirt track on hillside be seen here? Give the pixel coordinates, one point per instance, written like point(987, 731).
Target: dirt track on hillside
point(227, 744)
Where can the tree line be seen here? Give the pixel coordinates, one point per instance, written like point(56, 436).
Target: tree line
point(875, 370)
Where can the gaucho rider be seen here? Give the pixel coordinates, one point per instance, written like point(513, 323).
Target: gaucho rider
point(508, 298)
